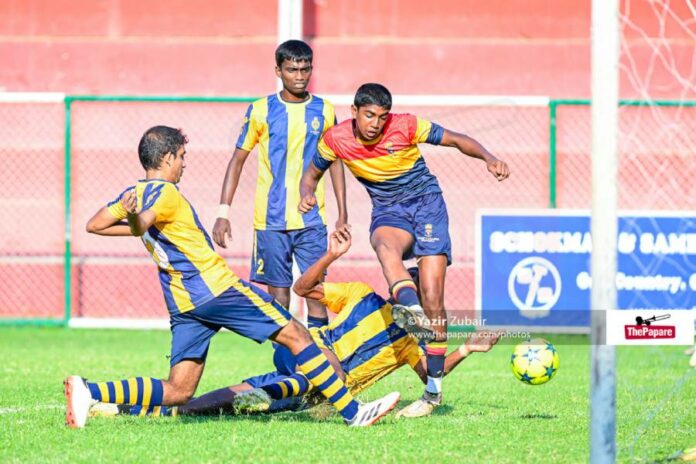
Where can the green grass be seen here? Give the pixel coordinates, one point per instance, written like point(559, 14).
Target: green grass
point(489, 416)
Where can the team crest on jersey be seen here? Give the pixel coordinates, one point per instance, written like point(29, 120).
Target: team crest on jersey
point(389, 147)
point(315, 125)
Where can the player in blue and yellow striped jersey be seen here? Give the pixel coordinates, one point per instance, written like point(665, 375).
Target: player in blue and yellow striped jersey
point(202, 296)
point(286, 128)
point(409, 216)
point(362, 342)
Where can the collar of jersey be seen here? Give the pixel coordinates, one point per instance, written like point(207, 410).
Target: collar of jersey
point(280, 99)
point(159, 180)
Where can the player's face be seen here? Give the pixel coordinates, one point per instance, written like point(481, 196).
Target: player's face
point(369, 121)
point(178, 165)
point(295, 75)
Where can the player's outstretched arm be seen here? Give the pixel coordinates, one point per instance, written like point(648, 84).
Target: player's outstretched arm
point(477, 342)
point(104, 223)
point(338, 181)
point(222, 229)
point(308, 185)
point(471, 147)
point(309, 285)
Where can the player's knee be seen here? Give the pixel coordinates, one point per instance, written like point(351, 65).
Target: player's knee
point(294, 336)
point(176, 395)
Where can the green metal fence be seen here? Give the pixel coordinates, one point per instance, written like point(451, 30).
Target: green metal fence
point(99, 132)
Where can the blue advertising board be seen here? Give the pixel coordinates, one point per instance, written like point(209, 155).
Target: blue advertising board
point(533, 267)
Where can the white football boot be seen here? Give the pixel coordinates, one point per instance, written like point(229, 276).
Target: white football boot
point(369, 413)
point(78, 401)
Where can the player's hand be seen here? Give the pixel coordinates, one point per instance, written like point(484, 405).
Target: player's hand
point(129, 201)
point(342, 221)
point(222, 229)
point(480, 342)
point(340, 241)
point(307, 203)
point(499, 169)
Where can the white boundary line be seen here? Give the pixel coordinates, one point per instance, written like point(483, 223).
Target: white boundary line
point(117, 323)
point(32, 97)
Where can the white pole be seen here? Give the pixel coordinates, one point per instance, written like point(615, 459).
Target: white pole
point(290, 24)
point(605, 90)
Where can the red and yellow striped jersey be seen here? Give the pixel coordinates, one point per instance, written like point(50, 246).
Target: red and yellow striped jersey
point(392, 167)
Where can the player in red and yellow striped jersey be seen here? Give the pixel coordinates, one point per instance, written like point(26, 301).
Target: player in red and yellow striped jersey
point(409, 216)
point(202, 296)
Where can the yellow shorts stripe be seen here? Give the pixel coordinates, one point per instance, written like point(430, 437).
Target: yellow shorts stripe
point(267, 308)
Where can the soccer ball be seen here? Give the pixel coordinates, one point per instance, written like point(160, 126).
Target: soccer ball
point(534, 361)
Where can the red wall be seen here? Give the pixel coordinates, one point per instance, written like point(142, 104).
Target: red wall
point(226, 47)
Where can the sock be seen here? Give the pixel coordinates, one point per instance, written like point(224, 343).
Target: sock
point(322, 375)
point(404, 292)
point(313, 321)
point(154, 411)
point(435, 359)
point(294, 385)
point(143, 391)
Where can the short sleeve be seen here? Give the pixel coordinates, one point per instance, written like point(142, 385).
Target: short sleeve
point(339, 295)
point(249, 135)
point(163, 200)
point(329, 116)
point(423, 131)
point(116, 208)
point(325, 154)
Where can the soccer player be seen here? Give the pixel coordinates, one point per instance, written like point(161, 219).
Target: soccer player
point(202, 296)
point(287, 127)
point(409, 216)
point(362, 342)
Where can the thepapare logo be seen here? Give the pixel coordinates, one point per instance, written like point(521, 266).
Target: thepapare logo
point(534, 286)
point(644, 330)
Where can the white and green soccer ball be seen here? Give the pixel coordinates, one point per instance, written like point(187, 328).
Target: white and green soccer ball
point(534, 361)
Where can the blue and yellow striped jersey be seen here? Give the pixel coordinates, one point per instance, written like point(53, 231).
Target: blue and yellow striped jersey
point(287, 135)
point(191, 272)
point(391, 168)
point(363, 335)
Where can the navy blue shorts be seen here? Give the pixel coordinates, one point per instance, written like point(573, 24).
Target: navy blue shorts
point(425, 218)
point(243, 308)
point(285, 364)
point(271, 262)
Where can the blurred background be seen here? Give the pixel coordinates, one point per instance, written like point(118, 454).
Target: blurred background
point(513, 74)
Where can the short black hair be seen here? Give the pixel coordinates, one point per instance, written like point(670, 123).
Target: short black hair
point(158, 141)
point(373, 94)
point(293, 50)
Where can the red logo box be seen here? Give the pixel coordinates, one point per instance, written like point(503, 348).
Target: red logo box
point(649, 332)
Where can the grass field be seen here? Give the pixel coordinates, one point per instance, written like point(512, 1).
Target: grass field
point(489, 416)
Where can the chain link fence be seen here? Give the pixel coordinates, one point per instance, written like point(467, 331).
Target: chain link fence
point(549, 158)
